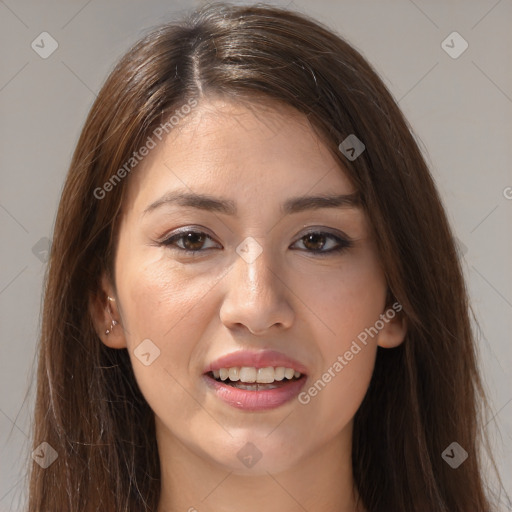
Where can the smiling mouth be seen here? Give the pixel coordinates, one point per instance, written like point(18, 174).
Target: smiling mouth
point(252, 379)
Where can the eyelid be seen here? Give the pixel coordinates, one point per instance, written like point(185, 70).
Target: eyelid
point(326, 230)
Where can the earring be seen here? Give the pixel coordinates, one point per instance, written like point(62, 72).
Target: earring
point(114, 323)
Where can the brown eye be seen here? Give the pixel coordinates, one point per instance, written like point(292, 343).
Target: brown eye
point(314, 241)
point(191, 241)
point(317, 241)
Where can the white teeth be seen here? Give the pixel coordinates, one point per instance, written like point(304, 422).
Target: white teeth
point(279, 373)
point(265, 375)
point(234, 374)
point(248, 374)
point(289, 372)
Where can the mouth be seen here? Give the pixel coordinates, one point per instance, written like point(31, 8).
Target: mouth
point(255, 389)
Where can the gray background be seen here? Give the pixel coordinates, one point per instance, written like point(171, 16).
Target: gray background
point(460, 109)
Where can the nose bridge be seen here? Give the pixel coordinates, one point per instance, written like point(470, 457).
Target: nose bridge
point(255, 269)
point(256, 295)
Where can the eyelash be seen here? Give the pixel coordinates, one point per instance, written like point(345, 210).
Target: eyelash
point(343, 243)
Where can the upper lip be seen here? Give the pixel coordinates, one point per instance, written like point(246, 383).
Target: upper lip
point(258, 359)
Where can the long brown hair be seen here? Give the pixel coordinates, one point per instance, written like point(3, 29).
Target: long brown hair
point(424, 394)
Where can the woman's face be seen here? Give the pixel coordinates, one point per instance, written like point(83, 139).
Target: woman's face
point(256, 283)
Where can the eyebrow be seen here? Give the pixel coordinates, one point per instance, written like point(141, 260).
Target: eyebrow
point(228, 206)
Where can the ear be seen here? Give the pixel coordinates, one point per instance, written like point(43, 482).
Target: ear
point(395, 327)
point(103, 311)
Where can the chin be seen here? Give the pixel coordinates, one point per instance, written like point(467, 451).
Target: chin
point(253, 455)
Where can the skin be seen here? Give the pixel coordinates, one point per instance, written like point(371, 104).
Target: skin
point(197, 308)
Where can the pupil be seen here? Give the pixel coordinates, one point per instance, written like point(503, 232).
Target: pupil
point(190, 239)
point(314, 237)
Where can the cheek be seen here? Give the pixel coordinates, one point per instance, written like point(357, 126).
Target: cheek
point(336, 395)
point(162, 304)
point(168, 304)
point(160, 299)
point(346, 297)
point(347, 301)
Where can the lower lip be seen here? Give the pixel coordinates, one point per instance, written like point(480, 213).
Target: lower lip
point(255, 400)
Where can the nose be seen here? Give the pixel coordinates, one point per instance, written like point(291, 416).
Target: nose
point(257, 296)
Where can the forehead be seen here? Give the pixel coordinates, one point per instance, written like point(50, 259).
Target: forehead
point(249, 152)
